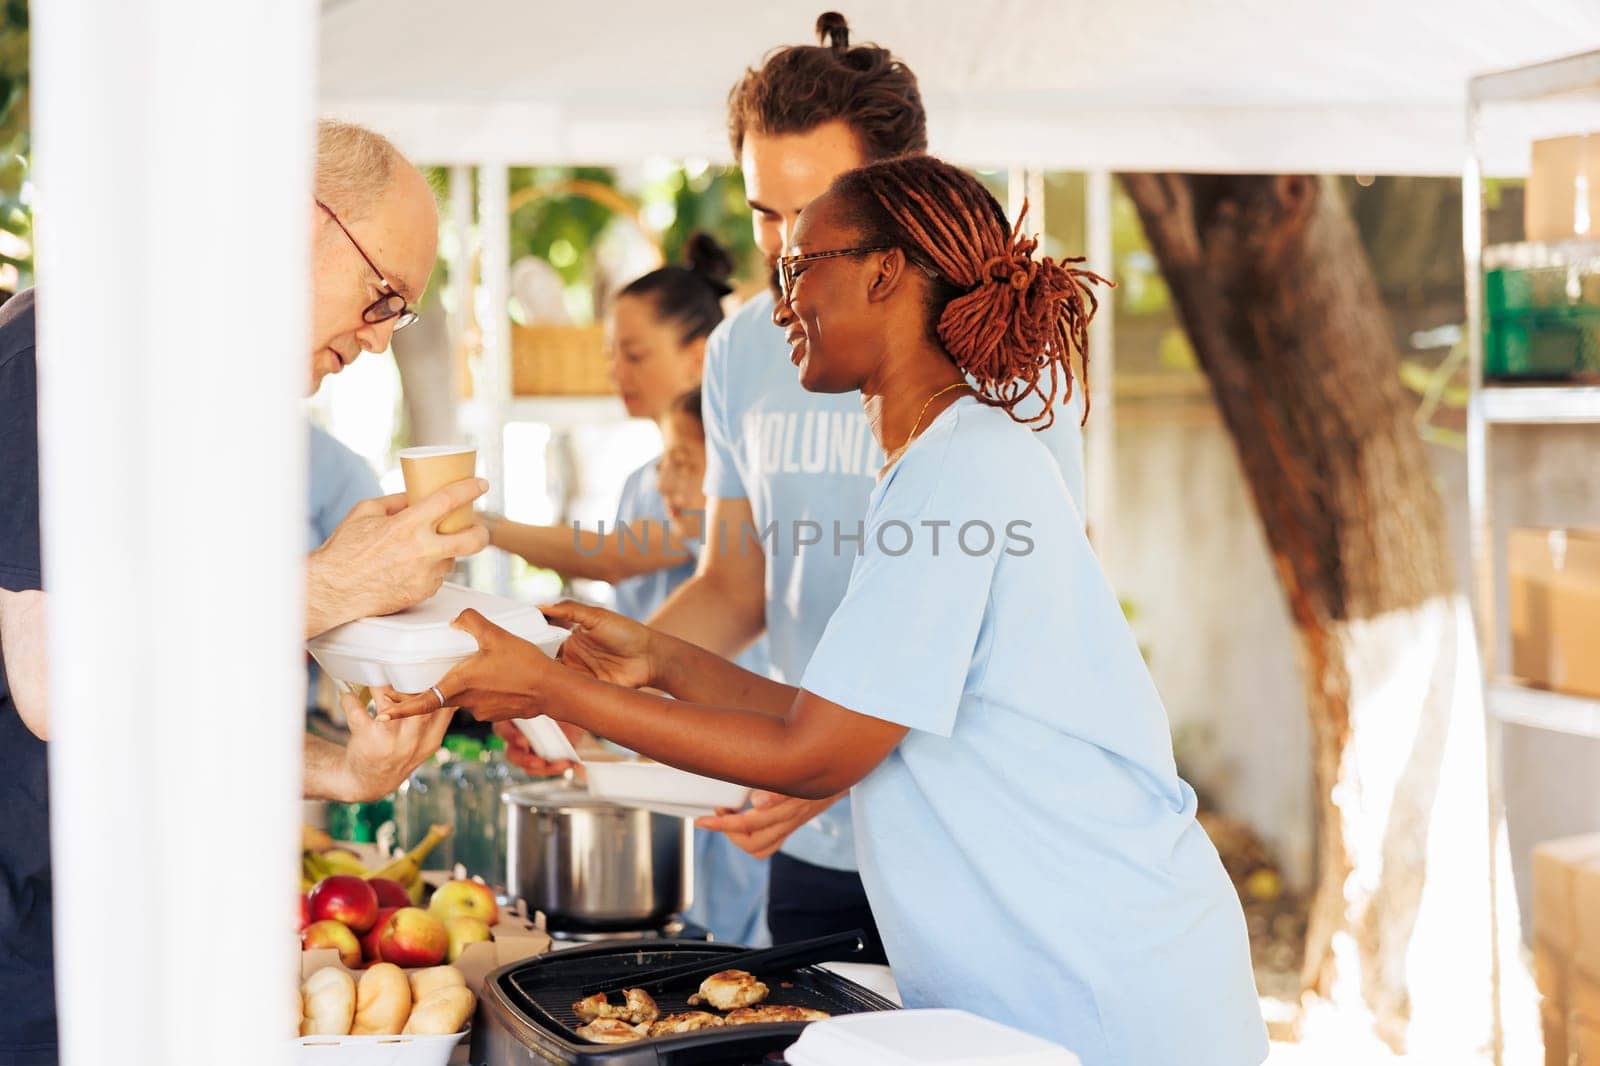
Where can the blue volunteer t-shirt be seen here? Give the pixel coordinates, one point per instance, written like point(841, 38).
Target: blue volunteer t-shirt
point(1028, 849)
point(730, 885)
point(27, 976)
point(338, 480)
point(638, 597)
point(807, 463)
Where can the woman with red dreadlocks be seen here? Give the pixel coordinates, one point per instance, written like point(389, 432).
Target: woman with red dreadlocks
point(1028, 848)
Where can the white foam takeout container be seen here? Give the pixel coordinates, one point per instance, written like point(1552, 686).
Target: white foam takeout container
point(633, 782)
point(931, 1037)
point(414, 648)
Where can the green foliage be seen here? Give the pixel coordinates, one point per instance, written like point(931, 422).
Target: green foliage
point(16, 212)
point(559, 229)
point(708, 199)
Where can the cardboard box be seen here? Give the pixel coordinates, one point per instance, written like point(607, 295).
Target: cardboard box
point(1563, 194)
point(1584, 993)
point(1555, 608)
point(1555, 866)
point(1554, 1023)
point(1586, 924)
point(1551, 965)
point(1583, 1042)
point(516, 936)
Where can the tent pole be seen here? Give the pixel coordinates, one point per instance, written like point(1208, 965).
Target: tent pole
point(173, 452)
point(461, 283)
point(494, 230)
point(1102, 430)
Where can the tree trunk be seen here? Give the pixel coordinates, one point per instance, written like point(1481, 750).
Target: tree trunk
point(1275, 291)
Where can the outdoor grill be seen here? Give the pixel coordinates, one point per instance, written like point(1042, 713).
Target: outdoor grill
point(528, 1018)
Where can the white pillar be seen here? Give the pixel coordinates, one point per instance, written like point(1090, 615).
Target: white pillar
point(494, 386)
point(173, 145)
point(460, 253)
point(1101, 447)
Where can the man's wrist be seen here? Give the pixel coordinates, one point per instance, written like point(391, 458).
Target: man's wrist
point(327, 604)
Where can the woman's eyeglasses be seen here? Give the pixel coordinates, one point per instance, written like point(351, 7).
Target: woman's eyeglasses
point(787, 264)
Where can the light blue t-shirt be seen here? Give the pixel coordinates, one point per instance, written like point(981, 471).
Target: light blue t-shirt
point(807, 463)
point(638, 597)
point(730, 885)
point(1028, 849)
point(339, 479)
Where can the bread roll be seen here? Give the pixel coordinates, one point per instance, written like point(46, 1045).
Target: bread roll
point(330, 1003)
point(383, 1001)
point(425, 982)
point(444, 1011)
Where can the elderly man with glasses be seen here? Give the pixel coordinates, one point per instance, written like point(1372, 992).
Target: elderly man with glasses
point(373, 235)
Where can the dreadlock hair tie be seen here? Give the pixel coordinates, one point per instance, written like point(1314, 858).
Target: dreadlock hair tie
point(1010, 321)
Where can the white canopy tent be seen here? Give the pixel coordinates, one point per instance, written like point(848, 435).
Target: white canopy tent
point(139, 363)
point(1367, 86)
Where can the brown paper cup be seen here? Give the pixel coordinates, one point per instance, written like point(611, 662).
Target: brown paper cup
point(427, 470)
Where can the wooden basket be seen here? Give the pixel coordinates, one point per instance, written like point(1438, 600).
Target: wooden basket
point(559, 361)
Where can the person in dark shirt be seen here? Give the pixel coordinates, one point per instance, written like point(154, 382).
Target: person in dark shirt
point(370, 207)
point(27, 985)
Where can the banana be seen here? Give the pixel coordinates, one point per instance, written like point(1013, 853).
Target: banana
point(314, 839)
point(312, 866)
point(407, 869)
point(341, 861)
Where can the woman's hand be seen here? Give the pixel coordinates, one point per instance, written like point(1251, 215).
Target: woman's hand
point(506, 678)
point(605, 644)
point(520, 753)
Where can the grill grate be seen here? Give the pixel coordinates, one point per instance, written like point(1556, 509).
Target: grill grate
point(542, 991)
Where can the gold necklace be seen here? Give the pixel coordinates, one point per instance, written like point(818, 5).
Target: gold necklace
point(918, 423)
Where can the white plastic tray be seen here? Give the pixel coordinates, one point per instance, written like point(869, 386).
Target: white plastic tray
point(658, 787)
point(414, 648)
point(376, 1050)
point(921, 1037)
point(635, 783)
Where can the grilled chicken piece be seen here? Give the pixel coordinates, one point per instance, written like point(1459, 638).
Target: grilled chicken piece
point(773, 1012)
point(729, 990)
point(637, 1009)
point(687, 1022)
point(612, 1031)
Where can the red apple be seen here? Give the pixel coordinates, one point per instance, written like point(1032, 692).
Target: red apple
point(391, 893)
point(369, 939)
point(464, 899)
point(413, 937)
point(305, 911)
point(346, 899)
point(331, 934)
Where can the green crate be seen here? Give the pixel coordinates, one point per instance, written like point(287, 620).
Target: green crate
point(1543, 346)
point(1557, 288)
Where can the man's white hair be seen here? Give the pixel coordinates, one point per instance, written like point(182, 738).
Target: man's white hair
point(354, 166)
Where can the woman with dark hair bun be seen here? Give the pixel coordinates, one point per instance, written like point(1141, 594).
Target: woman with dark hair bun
point(1028, 848)
point(657, 331)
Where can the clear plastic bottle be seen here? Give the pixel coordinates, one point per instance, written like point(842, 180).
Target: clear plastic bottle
point(502, 775)
point(426, 799)
point(475, 815)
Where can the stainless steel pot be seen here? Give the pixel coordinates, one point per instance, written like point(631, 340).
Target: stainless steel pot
point(592, 865)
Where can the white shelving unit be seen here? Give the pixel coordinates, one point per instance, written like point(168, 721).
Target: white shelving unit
point(1507, 111)
point(1518, 704)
